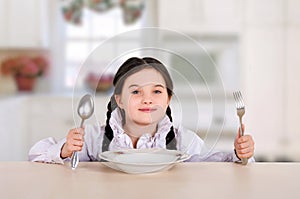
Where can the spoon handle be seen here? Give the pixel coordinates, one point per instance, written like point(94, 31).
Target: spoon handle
point(74, 157)
point(74, 160)
point(81, 124)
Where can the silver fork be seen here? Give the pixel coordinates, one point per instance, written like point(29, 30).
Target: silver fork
point(240, 108)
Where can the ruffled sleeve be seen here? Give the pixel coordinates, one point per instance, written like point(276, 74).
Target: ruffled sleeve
point(190, 143)
point(47, 150)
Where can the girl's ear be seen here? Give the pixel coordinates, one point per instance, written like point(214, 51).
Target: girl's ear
point(118, 101)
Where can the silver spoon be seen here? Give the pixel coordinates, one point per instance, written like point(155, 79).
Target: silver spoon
point(85, 110)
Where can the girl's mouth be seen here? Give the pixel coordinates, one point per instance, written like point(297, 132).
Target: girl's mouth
point(147, 110)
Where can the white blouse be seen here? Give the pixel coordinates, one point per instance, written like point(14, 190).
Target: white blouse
point(48, 150)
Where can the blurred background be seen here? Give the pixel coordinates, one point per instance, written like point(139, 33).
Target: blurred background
point(253, 44)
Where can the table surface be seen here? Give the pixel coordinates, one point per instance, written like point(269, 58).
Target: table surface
point(184, 180)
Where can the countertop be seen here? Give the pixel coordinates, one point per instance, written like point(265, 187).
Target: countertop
point(185, 180)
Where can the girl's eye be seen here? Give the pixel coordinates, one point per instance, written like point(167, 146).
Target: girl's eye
point(135, 92)
point(157, 92)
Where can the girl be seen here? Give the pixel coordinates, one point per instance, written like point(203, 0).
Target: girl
point(138, 116)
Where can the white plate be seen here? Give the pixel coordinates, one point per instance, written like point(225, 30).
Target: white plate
point(137, 161)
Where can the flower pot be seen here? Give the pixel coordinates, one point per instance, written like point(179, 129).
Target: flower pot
point(25, 83)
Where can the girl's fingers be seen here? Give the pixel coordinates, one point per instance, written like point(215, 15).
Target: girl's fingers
point(74, 148)
point(75, 139)
point(245, 138)
point(245, 155)
point(243, 145)
point(78, 137)
point(77, 143)
point(245, 150)
point(74, 145)
point(77, 131)
point(76, 134)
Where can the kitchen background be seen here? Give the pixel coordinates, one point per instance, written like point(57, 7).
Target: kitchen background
point(253, 43)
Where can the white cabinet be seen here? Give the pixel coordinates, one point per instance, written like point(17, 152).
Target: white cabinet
point(23, 24)
point(24, 120)
point(48, 117)
point(54, 116)
point(264, 12)
point(3, 22)
point(292, 93)
point(293, 14)
point(201, 16)
point(12, 124)
point(270, 47)
point(263, 85)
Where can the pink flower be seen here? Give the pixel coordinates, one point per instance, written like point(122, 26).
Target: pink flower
point(24, 66)
point(27, 67)
point(42, 63)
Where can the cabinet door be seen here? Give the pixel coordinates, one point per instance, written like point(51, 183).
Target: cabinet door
point(201, 17)
point(55, 116)
point(263, 85)
point(49, 117)
point(3, 22)
point(292, 90)
point(293, 14)
point(12, 130)
point(264, 12)
point(23, 24)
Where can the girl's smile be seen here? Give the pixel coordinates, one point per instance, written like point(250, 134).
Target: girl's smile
point(147, 110)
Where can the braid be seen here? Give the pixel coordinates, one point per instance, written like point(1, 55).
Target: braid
point(170, 139)
point(108, 135)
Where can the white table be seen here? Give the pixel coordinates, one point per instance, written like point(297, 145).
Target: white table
point(185, 180)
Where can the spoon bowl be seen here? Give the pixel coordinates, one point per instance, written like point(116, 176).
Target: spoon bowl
point(85, 108)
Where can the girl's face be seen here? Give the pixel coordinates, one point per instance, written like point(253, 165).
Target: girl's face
point(144, 97)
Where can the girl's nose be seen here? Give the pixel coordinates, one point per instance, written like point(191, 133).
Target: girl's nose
point(147, 99)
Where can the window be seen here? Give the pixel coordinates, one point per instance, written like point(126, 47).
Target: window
point(81, 40)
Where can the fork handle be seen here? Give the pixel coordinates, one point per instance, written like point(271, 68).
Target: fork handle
point(241, 127)
point(244, 160)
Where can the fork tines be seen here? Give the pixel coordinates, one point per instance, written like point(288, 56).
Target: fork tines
point(238, 99)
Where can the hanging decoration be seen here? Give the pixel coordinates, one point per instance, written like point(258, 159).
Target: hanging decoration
point(73, 9)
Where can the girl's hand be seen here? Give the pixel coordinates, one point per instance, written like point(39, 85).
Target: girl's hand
point(75, 140)
point(244, 145)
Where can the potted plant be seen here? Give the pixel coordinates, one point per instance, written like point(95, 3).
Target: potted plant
point(25, 70)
